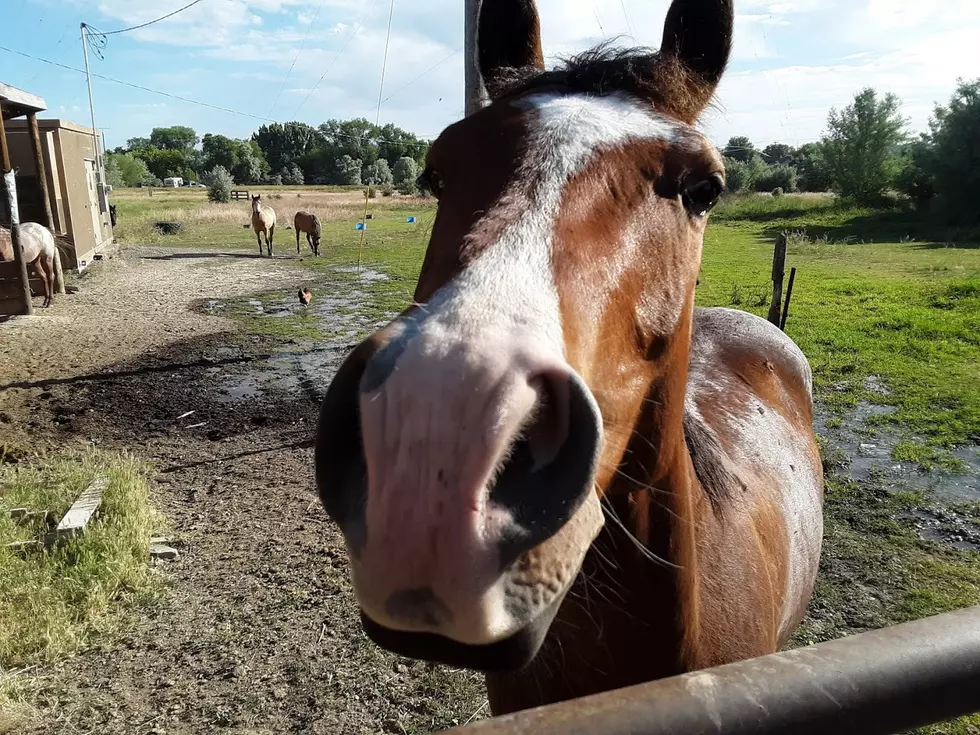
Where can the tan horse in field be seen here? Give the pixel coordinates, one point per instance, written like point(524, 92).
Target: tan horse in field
point(39, 249)
point(263, 223)
point(310, 224)
point(552, 467)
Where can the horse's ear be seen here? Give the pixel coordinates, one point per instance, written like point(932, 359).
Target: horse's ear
point(698, 35)
point(508, 37)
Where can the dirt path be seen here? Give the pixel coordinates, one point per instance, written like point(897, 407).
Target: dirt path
point(259, 633)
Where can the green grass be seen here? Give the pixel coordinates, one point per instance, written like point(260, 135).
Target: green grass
point(56, 603)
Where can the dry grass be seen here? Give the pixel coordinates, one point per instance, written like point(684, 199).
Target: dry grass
point(56, 603)
point(139, 209)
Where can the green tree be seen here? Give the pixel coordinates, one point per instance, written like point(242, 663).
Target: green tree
point(252, 168)
point(378, 173)
point(779, 176)
point(355, 138)
point(220, 150)
point(916, 179)
point(740, 176)
point(810, 166)
point(164, 162)
point(219, 183)
point(862, 145)
point(132, 170)
point(348, 171)
point(776, 153)
point(113, 176)
point(405, 174)
point(175, 138)
point(293, 176)
point(137, 144)
point(740, 148)
point(954, 160)
point(286, 143)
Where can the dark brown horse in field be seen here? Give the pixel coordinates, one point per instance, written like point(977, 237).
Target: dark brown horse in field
point(553, 467)
point(310, 224)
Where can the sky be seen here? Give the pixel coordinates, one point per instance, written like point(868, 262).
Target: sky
point(313, 60)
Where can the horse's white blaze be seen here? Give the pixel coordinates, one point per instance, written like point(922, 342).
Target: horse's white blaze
point(512, 281)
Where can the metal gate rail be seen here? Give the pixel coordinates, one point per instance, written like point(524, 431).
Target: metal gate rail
point(875, 683)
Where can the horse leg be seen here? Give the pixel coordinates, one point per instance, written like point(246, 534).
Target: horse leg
point(258, 237)
point(39, 268)
point(268, 239)
point(297, 240)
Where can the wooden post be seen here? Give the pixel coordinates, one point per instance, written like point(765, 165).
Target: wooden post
point(10, 192)
point(789, 295)
point(778, 271)
point(42, 179)
point(474, 91)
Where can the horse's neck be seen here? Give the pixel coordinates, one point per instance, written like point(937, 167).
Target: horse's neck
point(632, 613)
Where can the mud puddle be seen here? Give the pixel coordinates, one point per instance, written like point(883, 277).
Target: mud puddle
point(864, 451)
point(308, 368)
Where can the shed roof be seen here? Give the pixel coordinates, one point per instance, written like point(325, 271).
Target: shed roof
point(16, 102)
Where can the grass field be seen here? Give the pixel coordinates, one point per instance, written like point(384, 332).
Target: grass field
point(886, 306)
point(56, 603)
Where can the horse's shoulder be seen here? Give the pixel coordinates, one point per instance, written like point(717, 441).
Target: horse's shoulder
point(749, 400)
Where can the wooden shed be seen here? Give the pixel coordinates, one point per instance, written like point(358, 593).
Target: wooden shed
point(76, 195)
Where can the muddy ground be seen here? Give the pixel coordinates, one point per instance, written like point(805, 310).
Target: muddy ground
point(259, 633)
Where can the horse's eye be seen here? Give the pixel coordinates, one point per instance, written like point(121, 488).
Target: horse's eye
point(431, 182)
point(700, 195)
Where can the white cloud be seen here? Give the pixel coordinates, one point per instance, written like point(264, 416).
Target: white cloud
point(778, 88)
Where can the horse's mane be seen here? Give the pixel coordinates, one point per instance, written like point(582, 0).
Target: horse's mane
point(605, 69)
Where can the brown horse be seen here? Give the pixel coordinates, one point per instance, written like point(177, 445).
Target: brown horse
point(310, 224)
point(263, 223)
point(552, 467)
point(39, 249)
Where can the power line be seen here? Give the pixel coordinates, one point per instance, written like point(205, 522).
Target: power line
point(192, 101)
point(351, 38)
point(403, 88)
point(151, 22)
point(137, 86)
point(377, 122)
point(296, 56)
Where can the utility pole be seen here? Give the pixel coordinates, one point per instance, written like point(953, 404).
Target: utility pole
point(100, 172)
point(475, 92)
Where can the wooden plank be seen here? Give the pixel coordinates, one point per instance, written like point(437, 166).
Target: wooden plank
point(25, 547)
point(80, 512)
point(23, 516)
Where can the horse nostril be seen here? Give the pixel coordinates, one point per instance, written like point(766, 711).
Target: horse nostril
point(550, 469)
point(547, 426)
point(341, 470)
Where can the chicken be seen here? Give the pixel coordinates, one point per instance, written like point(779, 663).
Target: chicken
point(305, 296)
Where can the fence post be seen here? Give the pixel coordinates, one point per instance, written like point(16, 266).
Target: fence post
point(778, 271)
point(42, 181)
point(10, 194)
point(789, 295)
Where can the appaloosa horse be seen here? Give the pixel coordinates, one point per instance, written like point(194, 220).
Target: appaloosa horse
point(553, 467)
point(38, 248)
point(263, 223)
point(309, 224)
